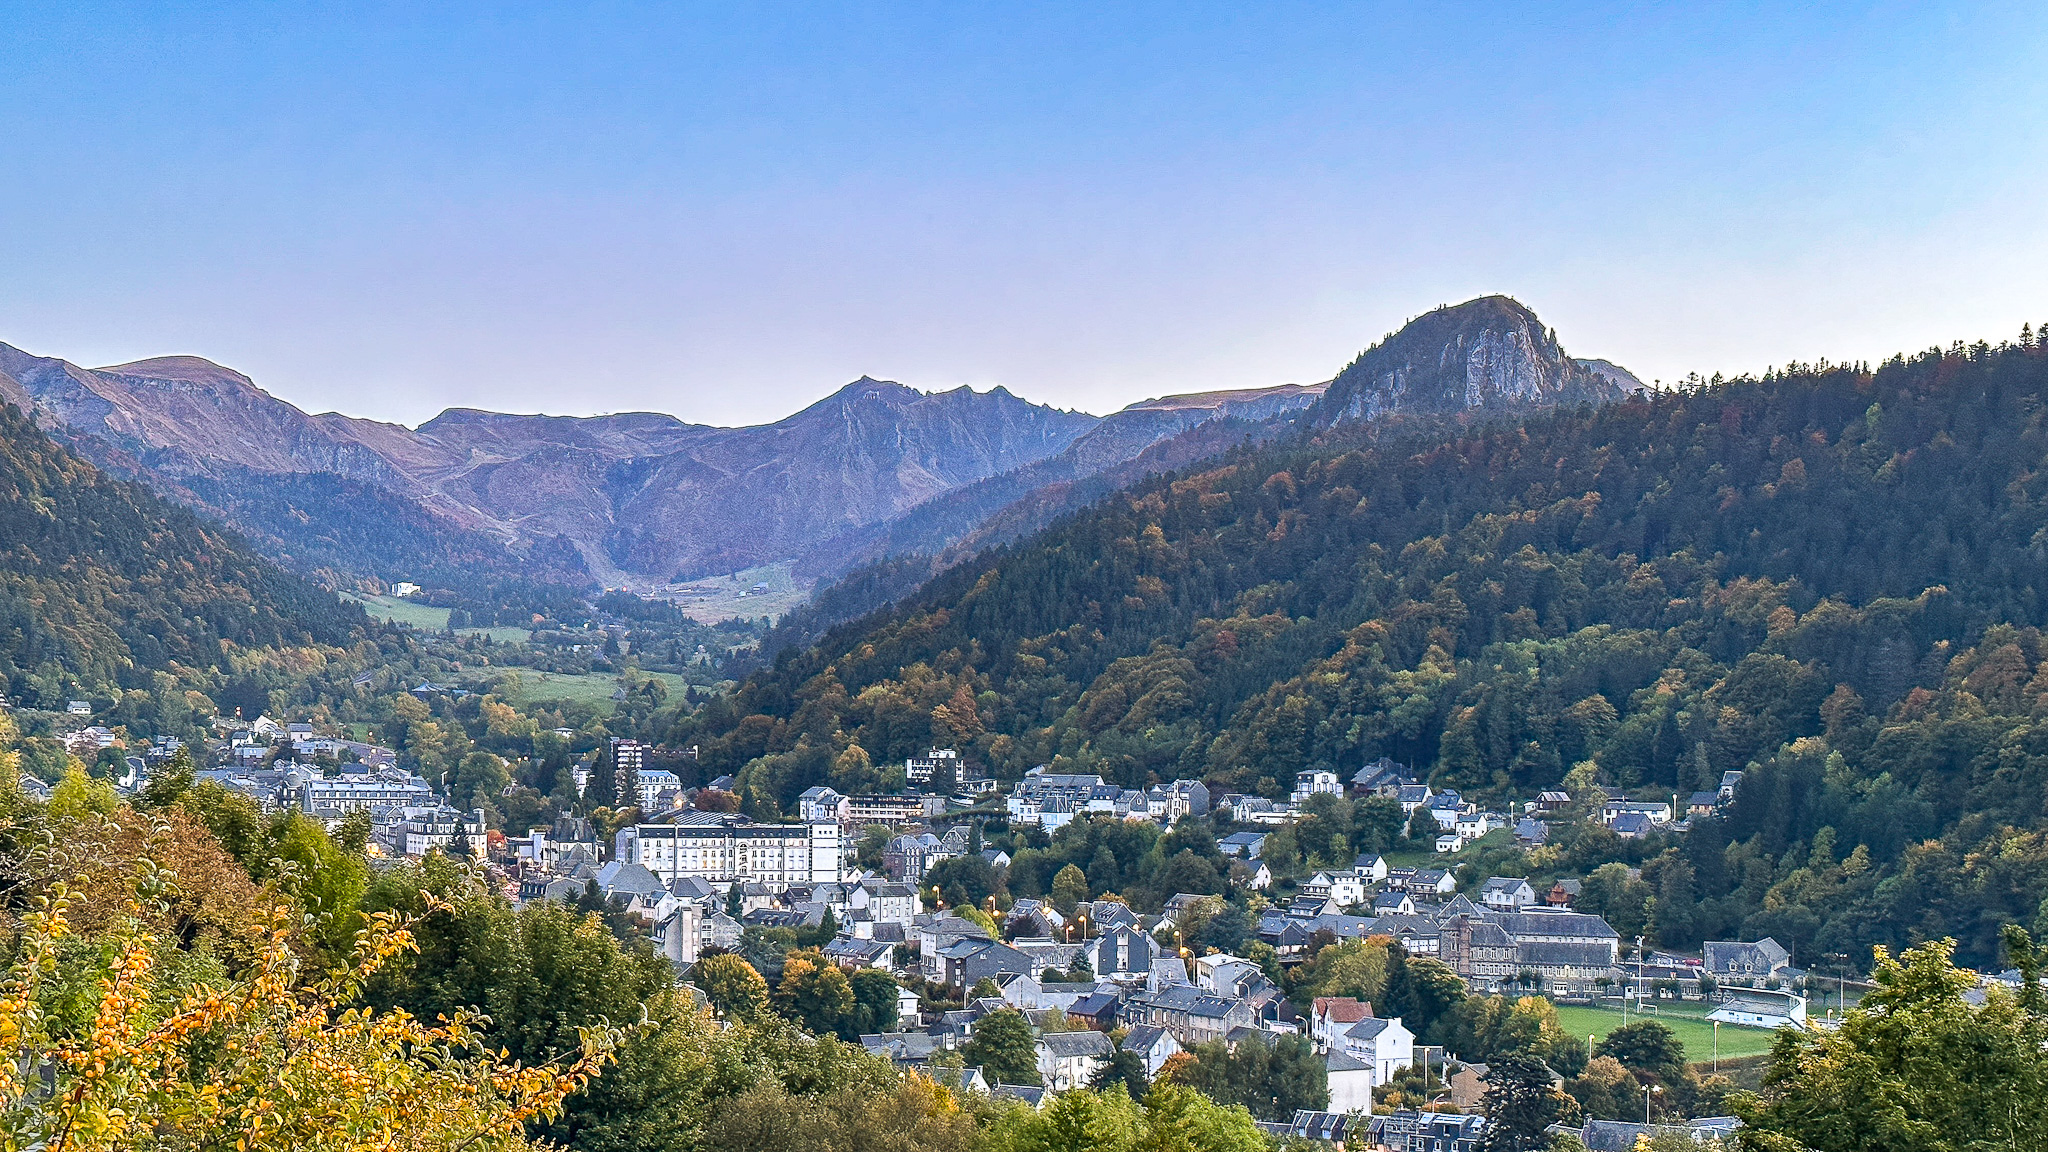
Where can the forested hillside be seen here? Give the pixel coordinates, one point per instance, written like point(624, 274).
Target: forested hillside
point(101, 581)
point(1831, 577)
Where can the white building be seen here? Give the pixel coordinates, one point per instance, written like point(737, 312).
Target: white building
point(919, 769)
point(1339, 884)
point(723, 847)
point(331, 798)
point(1351, 1082)
point(425, 829)
point(1386, 1045)
point(820, 804)
point(1315, 782)
point(659, 788)
point(1069, 1060)
point(1507, 894)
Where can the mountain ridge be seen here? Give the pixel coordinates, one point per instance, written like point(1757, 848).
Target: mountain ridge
point(644, 499)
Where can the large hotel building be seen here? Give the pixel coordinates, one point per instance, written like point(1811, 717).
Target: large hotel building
point(722, 847)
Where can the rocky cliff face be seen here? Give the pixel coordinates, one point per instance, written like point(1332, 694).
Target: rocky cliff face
point(1485, 355)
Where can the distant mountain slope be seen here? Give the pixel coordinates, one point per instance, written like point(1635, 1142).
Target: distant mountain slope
point(102, 581)
point(1149, 436)
point(643, 499)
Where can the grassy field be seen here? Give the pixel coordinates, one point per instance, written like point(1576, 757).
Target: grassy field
point(1687, 1022)
point(528, 685)
point(716, 598)
point(402, 611)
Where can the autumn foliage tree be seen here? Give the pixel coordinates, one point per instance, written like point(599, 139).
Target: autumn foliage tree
point(119, 1040)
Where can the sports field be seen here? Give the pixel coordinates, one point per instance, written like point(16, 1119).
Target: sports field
point(1687, 1022)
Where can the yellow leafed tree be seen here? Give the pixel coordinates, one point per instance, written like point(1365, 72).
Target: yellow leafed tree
point(110, 1042)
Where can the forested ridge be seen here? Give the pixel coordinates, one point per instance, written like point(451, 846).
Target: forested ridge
point(101, 581)
point(1829, 576)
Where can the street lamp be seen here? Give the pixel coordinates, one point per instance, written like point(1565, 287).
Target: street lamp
point(1649, 1090)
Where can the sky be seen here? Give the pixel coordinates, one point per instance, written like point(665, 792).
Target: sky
point(728, 211)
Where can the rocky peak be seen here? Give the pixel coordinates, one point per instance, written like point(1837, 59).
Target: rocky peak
point(1486, 355)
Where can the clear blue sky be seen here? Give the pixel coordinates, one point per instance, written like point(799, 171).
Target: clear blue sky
point(725, 212)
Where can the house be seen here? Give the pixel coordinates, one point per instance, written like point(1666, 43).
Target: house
point(1448, 843)
point(1632, 825)
point(1350, 1081)
point(1370, 867)
point(1382, 777)
point(851, 953)
point(1656, 811)
point(1314, 782)
point(879, 902)
point(1069, 1060)
point(1029, 917)
point(1030, 1095)
point(1331, 1016)
point(1242, 845)
point(1192, 1015)
point(1179, 904)
point(960, 1081)
point(934, 933)
point(1097, 1010)
point(79, 708)
point(1384, 1044)
point(1563, 893)
point(966, 962)
point(1432, 882)
point(1702, 804)
point(1412, 796)
point(1122, 953)
point(1426, 1132)
point(909, 856)
point(1258, 877)
point(821, 804)
point(1553, 801)
point(1530, 833)
point(1059, 794)
point(1168, 803)
point(1331, 1128)
point(1472, 825)
point(1341, 886)
point(1468, 1086)
point(1627, 1136)
point(1507, 894)
point(1730, 781)
point(1152, 1044)
point(1730, 960)
point(1446, 806)
point(1105, 914)
point(1393, 903)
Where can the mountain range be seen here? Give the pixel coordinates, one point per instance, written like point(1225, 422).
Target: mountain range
point(644, 499)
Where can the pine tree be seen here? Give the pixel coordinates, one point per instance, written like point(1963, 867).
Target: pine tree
point(603, 790)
